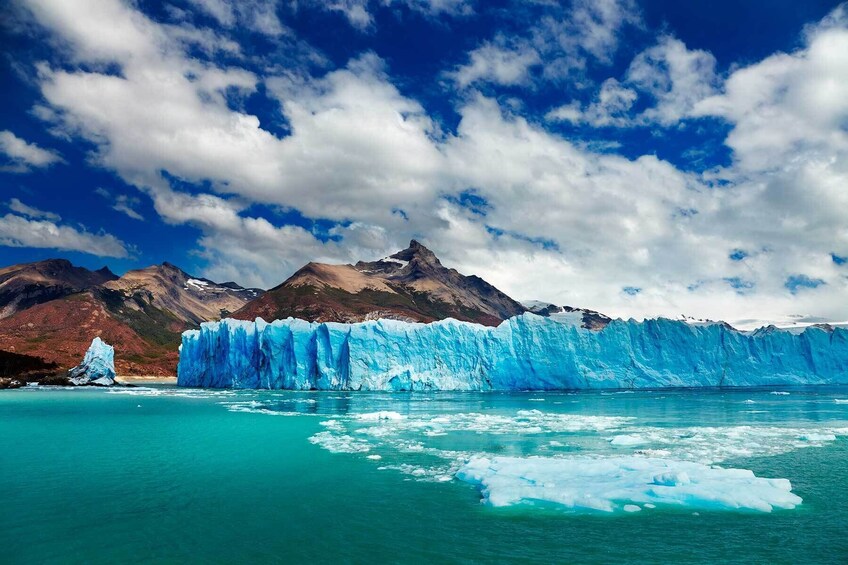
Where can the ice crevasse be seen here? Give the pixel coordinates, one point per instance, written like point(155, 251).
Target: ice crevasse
point(527, 352)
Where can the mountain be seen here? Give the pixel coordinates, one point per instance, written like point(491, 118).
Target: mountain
point(167, 287)
point(59, 308)
point(411, 285)
point(24, 286)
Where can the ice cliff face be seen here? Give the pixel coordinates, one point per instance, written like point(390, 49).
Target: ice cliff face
point(97, 367)
point(526, 352)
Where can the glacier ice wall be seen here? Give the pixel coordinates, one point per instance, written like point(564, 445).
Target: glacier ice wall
point(527, 352)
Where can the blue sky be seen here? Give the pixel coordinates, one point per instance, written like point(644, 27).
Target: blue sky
point(640, 158)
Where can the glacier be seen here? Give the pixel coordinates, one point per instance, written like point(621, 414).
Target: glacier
point(526, 352)
point(97, 367)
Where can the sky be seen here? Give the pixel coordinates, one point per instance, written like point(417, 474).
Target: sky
point(643, 159)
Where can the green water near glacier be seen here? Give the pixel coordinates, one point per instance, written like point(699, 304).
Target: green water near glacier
point(169, 475)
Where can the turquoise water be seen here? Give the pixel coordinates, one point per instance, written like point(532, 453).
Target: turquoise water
point(161, 474)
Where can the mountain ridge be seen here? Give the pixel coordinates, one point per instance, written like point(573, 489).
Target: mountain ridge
point(53, 309)
point(410, 285)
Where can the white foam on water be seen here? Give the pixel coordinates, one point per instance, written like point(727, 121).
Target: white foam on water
point(619, 483)
point(841, 400)
point(707, 444)
point(703, 444)
point(817, 437)
point(172, 392)
point(779, 393)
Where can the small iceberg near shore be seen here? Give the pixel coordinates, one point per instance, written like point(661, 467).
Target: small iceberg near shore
point(623, 484)
point(97, 367)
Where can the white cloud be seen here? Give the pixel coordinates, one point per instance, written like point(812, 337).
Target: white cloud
point(677, 77)
point(21, 156)
point(561, 222)
point(498, 64)
point(790, 108)
point(16, 205)
point(18, 231)
point(610, 108)
point(360, 13)
point(561, 44)
point(436, 7)
point(672, 77)
point(122, 203)
point(588, 27)
point(256, 15)
point(356, 12)
point(221, 10)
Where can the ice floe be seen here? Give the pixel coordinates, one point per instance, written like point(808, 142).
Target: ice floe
point(622, 483)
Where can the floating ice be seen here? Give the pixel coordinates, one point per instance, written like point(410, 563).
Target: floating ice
point(97, 367)
point(340, 443)
point(626, 440)
point(382, 415)
point(526, 352)
point(817, 437)
point(587, 433)
point(620, 483)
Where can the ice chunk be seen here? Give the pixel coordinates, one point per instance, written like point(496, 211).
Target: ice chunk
point(817, 437)
point(616, 483)
point(527, 352)
point(97, 367)
point(627, 440)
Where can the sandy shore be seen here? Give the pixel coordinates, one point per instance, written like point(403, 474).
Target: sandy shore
point(146, 379)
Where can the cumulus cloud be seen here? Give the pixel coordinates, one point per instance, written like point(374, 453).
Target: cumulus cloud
point(498, 64)
point(676, 77)
point(20, 231)
point(671, 78)
point(611, 107)
point(549, 219)
point(560, 44)
point(21, 156)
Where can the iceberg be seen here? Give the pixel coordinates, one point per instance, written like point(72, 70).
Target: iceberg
point(623, 484)
point(526, 352)
point(97, 367)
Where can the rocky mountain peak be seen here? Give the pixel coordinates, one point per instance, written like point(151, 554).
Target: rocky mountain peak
point(106, 274)
point(411, 284)
point(416, 251)
point(171, 270)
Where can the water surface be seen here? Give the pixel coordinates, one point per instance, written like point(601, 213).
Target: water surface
point(175, 475)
